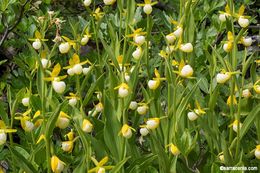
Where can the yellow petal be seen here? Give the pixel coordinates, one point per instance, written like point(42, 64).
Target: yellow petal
point(38, 35)
point(241, 10)
point(56, 70)
point(103, 161)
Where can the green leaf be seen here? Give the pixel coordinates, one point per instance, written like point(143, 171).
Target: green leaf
point(119, 165)
point(22, 162)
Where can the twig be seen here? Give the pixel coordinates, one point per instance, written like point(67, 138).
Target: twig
point(9, 29)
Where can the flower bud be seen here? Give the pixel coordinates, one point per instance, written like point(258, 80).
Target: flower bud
point(70, 71)
point(101, 170)
point(62, 122)
point(192, 116)
point(221, 157)
point(99, 107)
point(137, 53)
point(37, 44)
point(133, 105)
point(222, 77)
point(243, 22)
point(174, 150)
point(186, 71)
point(109, 2)
point(87, 3)
point(67, 146)
point(64, 47)
point(77, 69)
point(247, 41)
point(59, 86)
point(186, 47)
point(127, 78)
point(26, 101)
point(144, 131)
point(3, 138)
point(87, 126)
point(73, 101)
point(178, 32)
point(222, 17)
point(139, 39)
point(57, 165)
point(257, 89)
point(152, 123)
point(45, 63)
point(86, 70)
point(84, 40)
point(257, 152)
point(170, 38)
point(246, 93)
point(142, 110)
point(148, 9)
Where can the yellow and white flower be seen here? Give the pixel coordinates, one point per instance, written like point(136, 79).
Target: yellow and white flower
point(147, 6)
point(186, 71)
point(178, 32)
point(144, 131)
point(152, 123)
point(75, 66)
point(87, 126)
point(243, 22)
point(85, 37)
point(37, 44)
point(64, 47)
point(142, 109)
point(223, 77)
point(155, 82)
point(86, 70)
point(87, 3)
point(228, 45)
point(246, 93)
point(138, 36)
point(123, 90)
point(246, 41)
point(174, 150)
point(45, 63)
point(137, 53)
point(223, 15)
point(59, 86)
point(57, 165)
point(187, 47)
point(235, 125)
point(170, 38)
point(257, 87)
point(109, 2)
point(257, 152)
point(133, 105)
point(3, 131)
point(37, 40)
point(63, 120)
point(126, 131)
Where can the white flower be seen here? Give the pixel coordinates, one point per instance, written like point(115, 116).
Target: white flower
point(70, 71)
point(87, 2)
point(128, 134)
point(148, 9)
point(109, 2)
point(142, 109)
point(221, 158)
point(59, 86)
point(26, 101)
point(170, 38)
point(57, 165)
point(139, 39)
point(153, 84)
point(84, 40)
point(137, 53)
point(222, 77)
point(192, 116)
point(235, 125)
point(45, 63)
point(99, 107)
point(86, 70)
point(247, 41)
point(178, 32)
point(187, 47)
point(246, 93)
point(37, 44)
point(73, 101)
point(123, 91)
point(186, 71)
point(243, 22)
point(144, 131)
point(64, 47)
point(3, 138)
point(133, 105)
point(222, 17)
point(77, 69)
